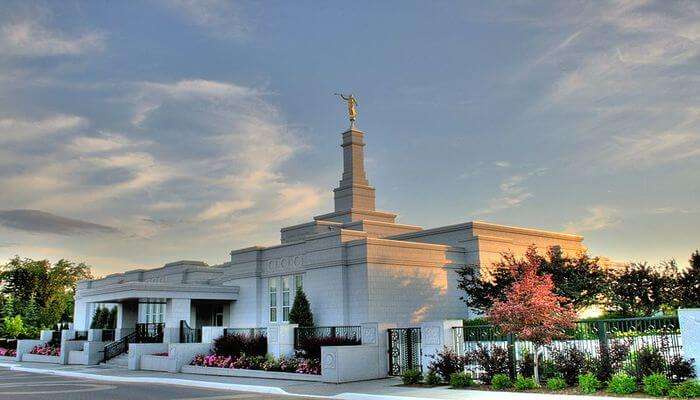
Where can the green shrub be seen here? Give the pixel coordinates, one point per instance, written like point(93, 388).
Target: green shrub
point(588, 383)
point(556, 383)
point(656, 384)
point(432, 378)
point(685, 390)
point(411, 377)
point(501, 381)
point(461, 380)
point(523, 383)
point(622, 383)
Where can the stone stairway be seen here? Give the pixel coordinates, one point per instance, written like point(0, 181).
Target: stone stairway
point(120, 361)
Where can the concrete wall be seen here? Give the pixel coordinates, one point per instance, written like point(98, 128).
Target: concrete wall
point(136, 350)
point(351, 363)
point(247, 311)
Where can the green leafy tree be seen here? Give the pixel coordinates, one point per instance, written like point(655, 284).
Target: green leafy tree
point(688, 284)
point(51, 287)
point(112, 319)
point(301, 310)
point(640, 289)
point(578, 280)
point(13, 327)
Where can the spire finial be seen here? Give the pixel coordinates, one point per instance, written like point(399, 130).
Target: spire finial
point(352, 107)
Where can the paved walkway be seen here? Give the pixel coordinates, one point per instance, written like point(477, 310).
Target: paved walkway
point(380, 389)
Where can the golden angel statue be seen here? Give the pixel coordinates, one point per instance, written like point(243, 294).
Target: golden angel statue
point(352, 107)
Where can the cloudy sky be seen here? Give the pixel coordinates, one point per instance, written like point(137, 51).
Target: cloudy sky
point(137, 133)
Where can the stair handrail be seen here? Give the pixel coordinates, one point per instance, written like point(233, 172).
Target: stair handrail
point(118, 347)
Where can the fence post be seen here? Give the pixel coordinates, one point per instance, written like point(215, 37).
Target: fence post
point(333, 331)
point(512, 360)
point(606, 367)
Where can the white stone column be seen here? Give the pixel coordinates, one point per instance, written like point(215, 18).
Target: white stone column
point(176, 310)
point(689, 319)
point(81, 319)
point(435, 336)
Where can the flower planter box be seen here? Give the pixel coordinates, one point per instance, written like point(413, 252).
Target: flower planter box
point(40, 358)
point(154, 363)
point(6, 359)
point(250, 373)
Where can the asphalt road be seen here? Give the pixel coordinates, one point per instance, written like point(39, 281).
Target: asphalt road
point(17, 385)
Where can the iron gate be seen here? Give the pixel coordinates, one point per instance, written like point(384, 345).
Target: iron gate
point(404, 350)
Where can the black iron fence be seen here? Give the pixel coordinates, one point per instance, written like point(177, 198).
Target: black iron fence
point(404, 350)
point(342, 335)
point(611, 344)
point(246, 331)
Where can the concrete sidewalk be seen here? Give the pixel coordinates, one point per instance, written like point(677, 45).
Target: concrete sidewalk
point(381, 389)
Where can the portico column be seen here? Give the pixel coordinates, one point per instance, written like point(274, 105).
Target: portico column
point(81, 319)
point(175, 311)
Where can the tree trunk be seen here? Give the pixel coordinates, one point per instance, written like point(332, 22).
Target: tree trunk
point(536, 372)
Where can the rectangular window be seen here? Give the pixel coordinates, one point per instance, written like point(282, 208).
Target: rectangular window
point(298, 281)
point(286, 297)
point(272, 286)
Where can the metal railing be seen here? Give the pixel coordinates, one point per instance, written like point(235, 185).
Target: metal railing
point(188, 334)
point(246, 331)
point(119, 347)
point(346, 335)
point(150, 332)
point(614, 343)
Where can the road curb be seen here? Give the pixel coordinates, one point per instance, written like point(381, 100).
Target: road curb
point(202, 384)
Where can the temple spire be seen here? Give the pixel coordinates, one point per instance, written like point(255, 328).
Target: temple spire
point(354, 191)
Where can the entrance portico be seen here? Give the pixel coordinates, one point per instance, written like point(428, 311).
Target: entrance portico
point(198, 301)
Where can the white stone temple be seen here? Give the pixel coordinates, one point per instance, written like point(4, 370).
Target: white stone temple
point(356, 265)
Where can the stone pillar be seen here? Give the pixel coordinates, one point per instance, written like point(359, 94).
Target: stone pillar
point(176, 310)
point(435, 336)
point(280, 339)
point(376, 334)
point(689, 319)
point(81, 318)
point(127, 316)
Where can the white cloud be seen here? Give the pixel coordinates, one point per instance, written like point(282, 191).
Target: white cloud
point(105, 142)
point(646, 150)
point(599, 218)
point(18, 130)
point(30, 38)
point(223, 208)
point(512, 192)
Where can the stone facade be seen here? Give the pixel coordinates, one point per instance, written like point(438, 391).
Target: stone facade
point(356, 265)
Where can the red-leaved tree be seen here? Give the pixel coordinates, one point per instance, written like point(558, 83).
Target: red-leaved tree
point(532, 311)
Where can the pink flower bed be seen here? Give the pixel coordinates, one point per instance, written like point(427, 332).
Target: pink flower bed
point(8, 352)
point(46, 350)
point(282, 364)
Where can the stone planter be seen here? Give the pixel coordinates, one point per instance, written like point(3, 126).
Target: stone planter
point(249, 373)
point(40, 358)
point(7, 359)
point(154, 363)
